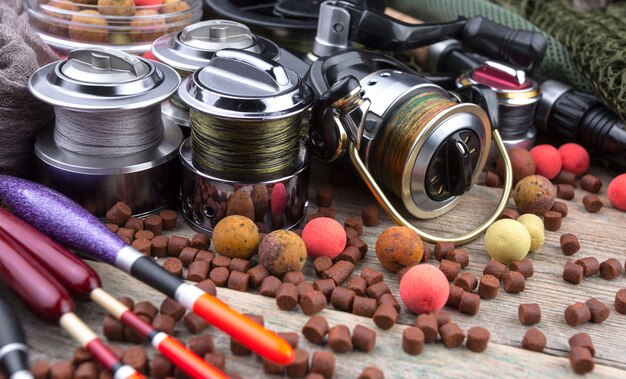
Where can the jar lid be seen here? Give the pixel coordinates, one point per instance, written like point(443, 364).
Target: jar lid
point(103, 79)
point(245, 85)
point(195, 45)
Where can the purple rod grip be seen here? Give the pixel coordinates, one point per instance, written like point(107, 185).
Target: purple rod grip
point(60, 218)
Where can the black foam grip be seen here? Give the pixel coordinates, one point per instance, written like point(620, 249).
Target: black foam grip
point(11, 332)
point(155, 276)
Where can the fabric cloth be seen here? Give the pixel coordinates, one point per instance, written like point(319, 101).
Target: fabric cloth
point(22, 52)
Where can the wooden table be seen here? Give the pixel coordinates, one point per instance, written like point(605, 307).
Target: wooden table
point(601, 235)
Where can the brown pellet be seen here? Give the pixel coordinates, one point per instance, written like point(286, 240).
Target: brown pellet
point(355, 223)
point(323, 363)
point(112, 328)
point(113, 228)
point(565, 177)
point(592, 203)
point(257, 274)
point(201, 241)
point(573, 273)
point(582, 340)
point(371, 276)
point(610, 269)
point(494, 268)
point(144, 234)
point(128, 235)
point(450, 269)
point(321, 264)
point(135, 357)
point(403, 271)
point(363, 338)
point(560, 207)
point(174, 266)
point(161, 367)
point(194, 323)
point(581, 360)
point(369, 215)
point(238, 264)
point(385, 316)
point(145, 308)
point(118, 213)
point(388, 298)
point(154, 223)
point(429, 326)
point(198, 271)
point(216, 359)
point(221, 261)
point(492, 179)
point(552, 221)
point(172, 308)
point(327, 212)
point(599, 310)
point(469, 303)
point(442, 248)
point(303, 289)
point(313, 302)
point(525, 267)
point(339, 272)
point(256, 318)
point(342, 299)
point(459, 256)
point(205, 256)
point(164, 323)
point(219, 276)
point(467, 281)
point(413, 340)
point(451, 335)
point(529, 314)
point(293, 277)
point(477, 339)
point(159, 246)
point(188, 255)
point(81, 355)
point(350, 254)
point(488, 287)
point(315, 329)
point(513, 282)
point(61, 370)
point(201, 345)
point(339, 339)
point(509, 213)
point(175, 245)
point(577, 313)
point(376, 290)
point(590, 265)
point(359, 244)
point(364, 306)
point(569, 244)
point(272, 368)
point(590, 183)
point(325, 286)
point(40, 369)
point(427, 250)
point(290, 337)
point(207, 286)
point(324, 197)
point(454, 297)
point(238, 349)
point(534, 340)
point(169, 218)
point(565, 191)
point(357, 284)
point(142, 245)
point(238, 281)
point(287, 296)
point(442, 318)
point(351, 233)
point(300, 365)
point(371, 373)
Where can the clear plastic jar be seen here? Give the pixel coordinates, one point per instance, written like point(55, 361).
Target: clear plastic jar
point(128, 25)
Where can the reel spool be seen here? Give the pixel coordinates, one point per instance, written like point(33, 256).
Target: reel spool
point(405, 134)
point(109, 142)
point(194, 47)
point(246, 154)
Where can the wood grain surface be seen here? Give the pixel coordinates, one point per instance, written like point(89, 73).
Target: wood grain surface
point(601, 236)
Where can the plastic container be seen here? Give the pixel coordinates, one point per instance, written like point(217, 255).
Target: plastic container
point(127, 25)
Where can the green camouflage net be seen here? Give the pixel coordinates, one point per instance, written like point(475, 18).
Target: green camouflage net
point(557, 63)
point(596, 40)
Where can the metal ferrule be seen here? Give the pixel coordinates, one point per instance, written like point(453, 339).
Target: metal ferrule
point(279, 203)
point(387, 90)
point(103, 80)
